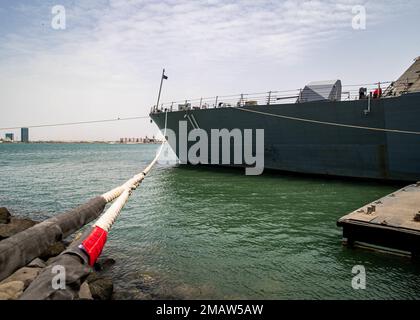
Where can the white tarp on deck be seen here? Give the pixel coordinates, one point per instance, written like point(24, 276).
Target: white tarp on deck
point(321, 91)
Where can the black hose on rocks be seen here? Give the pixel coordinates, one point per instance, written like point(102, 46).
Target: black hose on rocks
point(75, 264)
point(20, 249)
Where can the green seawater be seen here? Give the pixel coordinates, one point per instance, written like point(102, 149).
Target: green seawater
point(190, 232)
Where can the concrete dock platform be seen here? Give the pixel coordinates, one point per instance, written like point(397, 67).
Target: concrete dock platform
point(391, 223)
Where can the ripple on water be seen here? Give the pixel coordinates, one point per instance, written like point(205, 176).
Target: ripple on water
point(201, 233)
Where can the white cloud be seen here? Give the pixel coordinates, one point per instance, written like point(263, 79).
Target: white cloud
point(107, 60)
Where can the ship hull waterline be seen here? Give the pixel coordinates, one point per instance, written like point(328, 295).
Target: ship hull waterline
point(316, 148)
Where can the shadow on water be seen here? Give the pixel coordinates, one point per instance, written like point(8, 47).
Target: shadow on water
point(215, 169)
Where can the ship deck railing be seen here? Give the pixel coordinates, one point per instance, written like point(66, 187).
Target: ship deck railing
point(348, 93)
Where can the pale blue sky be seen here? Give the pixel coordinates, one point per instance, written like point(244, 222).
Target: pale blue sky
point(107, 63)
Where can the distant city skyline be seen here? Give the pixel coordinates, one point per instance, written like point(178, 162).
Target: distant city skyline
point(18, 135)
point(107, 60)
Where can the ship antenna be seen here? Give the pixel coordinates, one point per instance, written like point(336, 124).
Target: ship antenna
point(164, 77)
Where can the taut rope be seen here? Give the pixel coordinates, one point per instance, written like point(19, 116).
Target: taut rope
point(123, 192)
point(328, 123)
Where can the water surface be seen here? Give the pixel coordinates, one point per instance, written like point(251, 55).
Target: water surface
point(203, 233)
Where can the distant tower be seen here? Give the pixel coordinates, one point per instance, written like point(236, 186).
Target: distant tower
point(24, 135)
point(10, 137)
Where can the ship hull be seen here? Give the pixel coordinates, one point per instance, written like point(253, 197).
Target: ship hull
point(347, 149)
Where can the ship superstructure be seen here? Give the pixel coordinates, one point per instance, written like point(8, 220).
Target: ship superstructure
point(364, 131)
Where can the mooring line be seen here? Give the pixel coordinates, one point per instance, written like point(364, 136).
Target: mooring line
point(75, 123)
point(18, 250)
point(327, 123)
point(123, 192)
point(93, 244)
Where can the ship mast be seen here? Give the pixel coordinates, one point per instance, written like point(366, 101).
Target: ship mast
point(164, 77)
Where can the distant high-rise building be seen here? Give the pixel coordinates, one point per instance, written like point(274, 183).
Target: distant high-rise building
point(24, 135)
point(10, 137)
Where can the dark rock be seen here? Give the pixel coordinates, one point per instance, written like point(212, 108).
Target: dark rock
point(146, 282)
point(53, 251)
point(4, 216)
point(132, 294)
point(92, 277)
point(15, 226)
point(104, 264)
point(100, 287)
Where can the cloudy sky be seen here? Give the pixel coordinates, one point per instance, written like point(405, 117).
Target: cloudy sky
point(107, 62)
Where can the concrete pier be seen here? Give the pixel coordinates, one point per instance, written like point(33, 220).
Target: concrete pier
point(391, 223)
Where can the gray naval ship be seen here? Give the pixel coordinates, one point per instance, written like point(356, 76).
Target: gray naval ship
point(363, 131)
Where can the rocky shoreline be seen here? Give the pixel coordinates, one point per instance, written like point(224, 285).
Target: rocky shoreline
point(97, 285)
point(103, 282)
